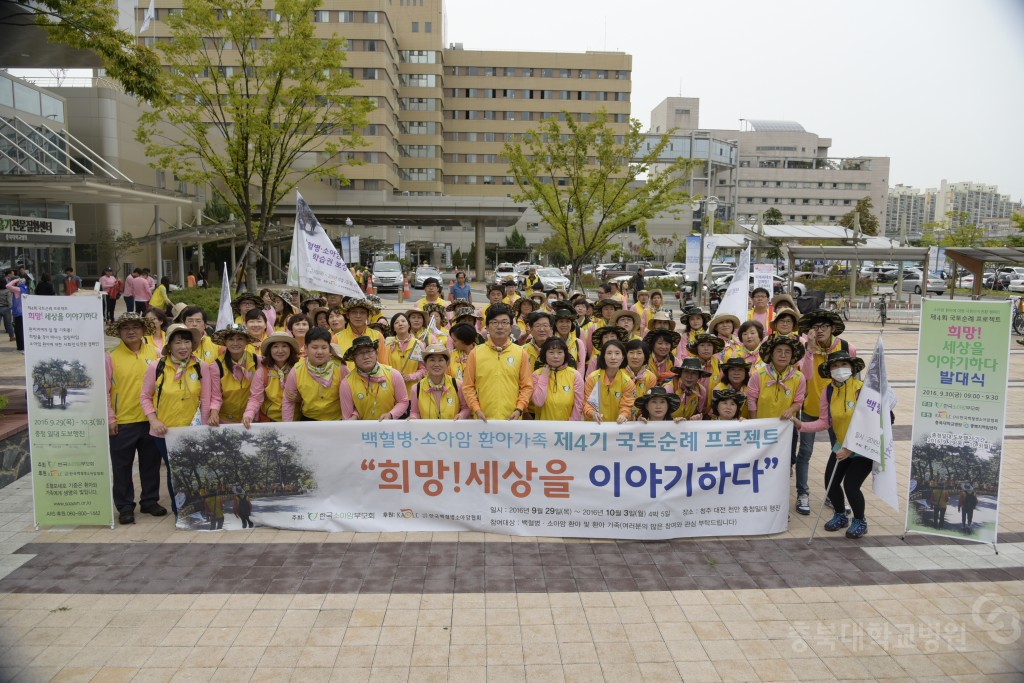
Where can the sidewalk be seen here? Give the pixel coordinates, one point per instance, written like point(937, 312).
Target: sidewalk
point(149, 603)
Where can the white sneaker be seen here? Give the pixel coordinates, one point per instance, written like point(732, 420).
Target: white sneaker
point(803, 504)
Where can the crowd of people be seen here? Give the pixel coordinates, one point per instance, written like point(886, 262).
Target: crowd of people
point(533, 355)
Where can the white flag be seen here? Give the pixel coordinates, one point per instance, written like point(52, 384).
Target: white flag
point(149, 16)
point(224, 315)
point(738, 294)
point(315, 263)
point(870, 431)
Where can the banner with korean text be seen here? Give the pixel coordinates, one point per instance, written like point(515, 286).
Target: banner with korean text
point(959, 417)
point(528, 478)
point(67, 410)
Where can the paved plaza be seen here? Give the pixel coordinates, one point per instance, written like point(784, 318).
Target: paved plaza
point(146, 602)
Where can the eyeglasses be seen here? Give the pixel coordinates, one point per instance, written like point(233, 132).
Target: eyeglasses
point(821, 326)
point(500, 323)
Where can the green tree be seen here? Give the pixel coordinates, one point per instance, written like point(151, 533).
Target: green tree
point(553, 250)
point(254, 106)
point(1017, 240)
point(585, 181)
point(773, 216)
point(516, 240)
point(92, 25)
point(868, 220)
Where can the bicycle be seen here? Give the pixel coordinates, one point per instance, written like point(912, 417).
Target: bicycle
point(1018, 316)
point(839, 304)
point(883, 308)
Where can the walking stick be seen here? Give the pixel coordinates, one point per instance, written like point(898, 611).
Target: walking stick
point(822, 508)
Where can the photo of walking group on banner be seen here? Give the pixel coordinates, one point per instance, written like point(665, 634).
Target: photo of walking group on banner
point(424, 420)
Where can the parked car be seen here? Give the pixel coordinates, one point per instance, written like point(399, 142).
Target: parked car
point(552, 278)
point(874, 271)
point(650, 274)
point(1016, 285)
point(780, 285)
point(387, 275)
point(503, 271)
point(913, 282)
point(676, 267)
point(422, 273)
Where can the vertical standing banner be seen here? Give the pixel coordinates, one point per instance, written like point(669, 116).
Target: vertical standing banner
point(315, 264)
point(959, 416)
point(710, 246)
point(764, 276)
point(67, 411)
point(692, 257)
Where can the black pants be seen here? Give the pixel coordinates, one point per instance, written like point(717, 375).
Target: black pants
point(108, 308)
point(19, 332)
point(161, 446)
point(966, 516)
point(131, 439)
point(849, 475)
point(141, 306)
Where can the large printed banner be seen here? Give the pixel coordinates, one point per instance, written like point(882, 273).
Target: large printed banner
point(959, 415)
point(520, 478)
point(67, 410)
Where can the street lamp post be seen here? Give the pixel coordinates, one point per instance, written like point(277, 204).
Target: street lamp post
point(348, 225)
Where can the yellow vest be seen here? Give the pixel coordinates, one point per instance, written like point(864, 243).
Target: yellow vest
point(234, 393)
point(611, 394)
point(159, 298)
point(406, 361)
point(428, 404)
point(561, 395)
point(497, 378)
point(644, 381)
point(207, 351)
point(178, 400)
point(774, 400)
point(744, 410)
point(844, 400)
point(126, 381)
point(532, 353)
point(815, 382)
point(457, 365)
point(422, 303)
point(344, 340)
point(273, 392)
point(690, 404)
point(372, 399)
point(318, 402)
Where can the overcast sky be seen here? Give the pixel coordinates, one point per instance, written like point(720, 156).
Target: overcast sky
point(937, 85)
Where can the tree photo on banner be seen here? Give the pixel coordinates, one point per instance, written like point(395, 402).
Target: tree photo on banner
point(67, 411)
point(959, 417)
point(524, 478)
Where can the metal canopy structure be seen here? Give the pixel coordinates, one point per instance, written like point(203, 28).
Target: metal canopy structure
point(87, 189)
point(858, 253)
point(975, 258)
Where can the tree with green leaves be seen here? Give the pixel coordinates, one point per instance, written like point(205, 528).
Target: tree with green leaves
point(516, 240)
point(773, 216)
point(585, 180)
point(92, 25)
point(255, 106)
point(868, 220)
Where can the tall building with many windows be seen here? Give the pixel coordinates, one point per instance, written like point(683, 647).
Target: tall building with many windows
point(783, 166)
point(905, 204)
point(978, 200)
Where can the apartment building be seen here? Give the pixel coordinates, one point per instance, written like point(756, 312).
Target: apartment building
point(905, 204)
point(978, 200)
point(783, 166)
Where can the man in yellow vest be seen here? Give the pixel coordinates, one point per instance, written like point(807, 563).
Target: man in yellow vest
point(506, 391)
point(194, 318)
point(373, 391)
point(126, 365)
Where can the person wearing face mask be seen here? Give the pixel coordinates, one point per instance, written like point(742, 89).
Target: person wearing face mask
point(822, 328)
point(846, 470)
point(373, 391)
